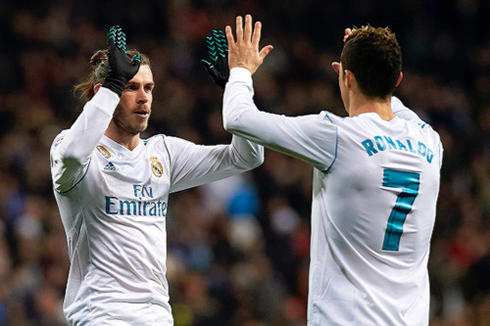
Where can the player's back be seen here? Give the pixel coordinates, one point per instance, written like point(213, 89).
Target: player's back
point(373, 215)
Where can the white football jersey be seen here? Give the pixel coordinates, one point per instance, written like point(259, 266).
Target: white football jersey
point(114, 203)
point(375, 189)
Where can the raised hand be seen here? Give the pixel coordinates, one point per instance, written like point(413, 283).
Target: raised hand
point(245, 51)
point(120, 70)
point(217, 65)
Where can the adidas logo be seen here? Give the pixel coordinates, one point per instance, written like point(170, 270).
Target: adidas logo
point(110, 167)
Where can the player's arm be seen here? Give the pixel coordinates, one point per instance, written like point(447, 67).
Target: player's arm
point(310, 138)
point(71, 150)
point(193, 165)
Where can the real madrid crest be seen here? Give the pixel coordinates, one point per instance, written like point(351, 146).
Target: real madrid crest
point(156, 167)
point(103, 151)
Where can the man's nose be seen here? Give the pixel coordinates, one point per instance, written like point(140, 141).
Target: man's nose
point(142, 96)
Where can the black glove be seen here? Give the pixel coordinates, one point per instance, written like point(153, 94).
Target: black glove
point(120, 70)
point(217, 66)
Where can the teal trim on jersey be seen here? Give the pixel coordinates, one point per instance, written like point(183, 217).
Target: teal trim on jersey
point(326, 115)
point(76, 184)
point(336, 142)
point(168, 154)
point(336, 146)
point(328, 112)
point(409, 183)
point(145, 141)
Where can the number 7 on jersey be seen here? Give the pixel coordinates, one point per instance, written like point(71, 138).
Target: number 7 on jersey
point(409, 183)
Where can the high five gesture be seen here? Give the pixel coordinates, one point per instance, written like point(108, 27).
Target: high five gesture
point(245, 52)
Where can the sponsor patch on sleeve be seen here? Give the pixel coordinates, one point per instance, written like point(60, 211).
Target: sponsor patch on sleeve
point(58, 141)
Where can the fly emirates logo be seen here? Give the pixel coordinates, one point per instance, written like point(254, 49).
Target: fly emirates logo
point(142, 205)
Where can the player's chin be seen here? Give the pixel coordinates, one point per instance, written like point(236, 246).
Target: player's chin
point(142, 127)
point(137, 128)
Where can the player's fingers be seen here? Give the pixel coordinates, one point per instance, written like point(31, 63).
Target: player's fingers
point(347, 32)
point(239, 29)
point(247, 36)
point(265, 51)
point(229, 37)
point(257, 34)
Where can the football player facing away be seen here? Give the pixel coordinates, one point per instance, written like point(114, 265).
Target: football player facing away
point(375, 183)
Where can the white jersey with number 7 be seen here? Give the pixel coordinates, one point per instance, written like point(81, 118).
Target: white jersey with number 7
point(375, 190)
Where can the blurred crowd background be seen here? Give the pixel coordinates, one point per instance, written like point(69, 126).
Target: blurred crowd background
point(239, 248)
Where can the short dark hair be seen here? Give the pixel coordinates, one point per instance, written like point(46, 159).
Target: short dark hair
point(374, 56)
point(100, 63)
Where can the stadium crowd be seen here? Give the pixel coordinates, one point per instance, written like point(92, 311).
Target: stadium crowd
point(238, 249)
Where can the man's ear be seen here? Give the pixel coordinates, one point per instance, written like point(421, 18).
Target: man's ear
point(96, 88)
point(399, 78)
point(349, 78)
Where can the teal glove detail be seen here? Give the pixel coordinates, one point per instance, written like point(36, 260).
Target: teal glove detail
point(120, 70)
point(217, 65)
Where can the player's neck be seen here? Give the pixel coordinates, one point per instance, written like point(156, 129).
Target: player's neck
point(360, 104)
point(125, 139)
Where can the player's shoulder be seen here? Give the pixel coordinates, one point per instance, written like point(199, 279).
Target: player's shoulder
point(362, 121)
point(155, 139)
point(419, 125)
point(331, 117)
point(169, 144)
point(58, 139)
point(162, 139)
